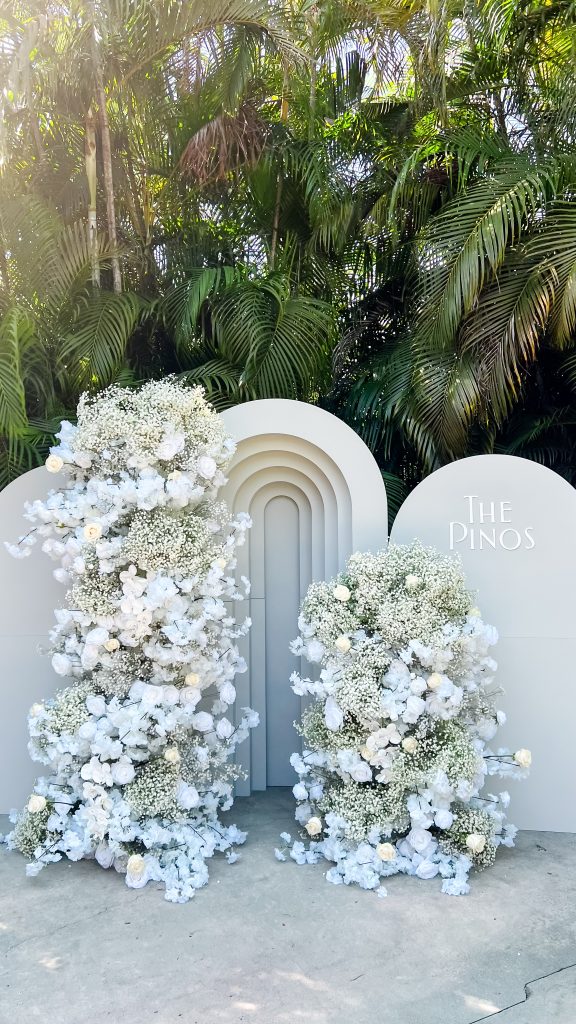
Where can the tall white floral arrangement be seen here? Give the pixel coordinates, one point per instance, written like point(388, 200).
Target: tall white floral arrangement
point(396, 741)
point(138, 745)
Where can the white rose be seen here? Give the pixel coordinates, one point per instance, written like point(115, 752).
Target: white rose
point(386, 851)
point(411, 582)
point(36, 803)
point(443, 818)
point(96, 705)
point(206, 467)
point(92, 531)
point(523, 757)
point(122, 773)
point(174, 475)
point(136, 865)
point(475, 613)
point(190, 695)
point(36, 710)
point(192, 679)
point(434, 681)
point(343, 644)
point(410, 744)
point(419, 838)
point(475, 842)
point(112, 645)
point(341, 593)
point(61, 664)
point(203, 722)
point(172, 755)
point(221, 563)
point(361, 772)
point(187, 796)
point(313, 826)
point(54, 463)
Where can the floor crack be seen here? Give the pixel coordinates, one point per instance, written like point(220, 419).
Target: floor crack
point(527, 994)
point(67, 925)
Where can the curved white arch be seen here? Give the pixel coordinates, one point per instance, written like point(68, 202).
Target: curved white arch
point(315, 495)
point(347, 453)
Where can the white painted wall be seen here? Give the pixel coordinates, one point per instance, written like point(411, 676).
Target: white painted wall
point(315, 495)
point(513, 523)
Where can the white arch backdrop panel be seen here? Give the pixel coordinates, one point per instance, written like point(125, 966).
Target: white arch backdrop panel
point(513, 522)
point(315, 494)
point(28, 596)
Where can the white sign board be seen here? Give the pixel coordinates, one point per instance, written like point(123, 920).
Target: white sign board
point(513, 523)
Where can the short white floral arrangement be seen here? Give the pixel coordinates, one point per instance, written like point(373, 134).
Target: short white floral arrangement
point(396, 738)
point(139, 744)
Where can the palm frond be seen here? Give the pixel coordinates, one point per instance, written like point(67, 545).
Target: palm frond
point(93, 349)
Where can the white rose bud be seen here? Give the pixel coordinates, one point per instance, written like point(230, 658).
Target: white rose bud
point(172, 755)
point(313, 826)
point(366, 753)
point(112, 645)
point(221, 563)
point(523, 757)
point(410, 744)
point(192, 679)
point(206, 467)
point(341, 593)
point(36, 710)
point(386, 851)
point(412, 582)
point(475, 613)
point(54, 463)
point(174, 475)
point(343, 644)
point(92, 531)
point(136, 865)
point(36, 803)
point(475, 842)
point(434, 681)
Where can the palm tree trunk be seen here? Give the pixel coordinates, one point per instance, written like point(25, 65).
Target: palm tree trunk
point(279, 183)
point(90, 159)
point(106, 157)
point(312, 103)
point(276, 220)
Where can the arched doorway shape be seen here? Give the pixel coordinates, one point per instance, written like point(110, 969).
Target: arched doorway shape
point(315, 495)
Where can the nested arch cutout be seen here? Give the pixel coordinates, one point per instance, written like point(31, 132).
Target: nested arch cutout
point(315, 495)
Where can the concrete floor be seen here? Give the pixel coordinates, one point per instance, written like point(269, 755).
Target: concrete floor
point(273, 943)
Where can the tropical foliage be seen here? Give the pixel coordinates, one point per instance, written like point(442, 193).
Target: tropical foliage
point(370, 205)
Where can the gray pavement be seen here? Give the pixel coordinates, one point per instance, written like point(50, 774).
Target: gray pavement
point(273, 943)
